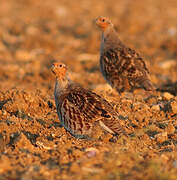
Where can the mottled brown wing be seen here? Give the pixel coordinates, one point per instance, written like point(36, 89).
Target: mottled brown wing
point(137, 65)
point(121, 64)
point(95, 108)
point(84, 108)
point(138, 72)
point(73, 120)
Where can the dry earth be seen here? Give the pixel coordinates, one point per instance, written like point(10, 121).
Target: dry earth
point(35, 33)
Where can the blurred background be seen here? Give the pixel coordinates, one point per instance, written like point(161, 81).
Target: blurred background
point(33, 34)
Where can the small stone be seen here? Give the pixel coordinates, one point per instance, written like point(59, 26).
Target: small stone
point(168, 96)
point(91, 152)
point(170, 129)
point(168, 64)
point(155, 107)
point(152, 100)
point(92, 170)
point(174, 107)
point(43, 145)
point(161, 137)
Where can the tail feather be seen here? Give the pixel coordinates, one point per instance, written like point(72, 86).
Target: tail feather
point(147, 85)
point(170, 87)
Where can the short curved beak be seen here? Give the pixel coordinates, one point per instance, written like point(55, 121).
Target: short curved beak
point(53, 68)
point(96, 21)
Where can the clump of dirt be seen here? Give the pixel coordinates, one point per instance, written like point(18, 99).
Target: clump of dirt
point(33, 144)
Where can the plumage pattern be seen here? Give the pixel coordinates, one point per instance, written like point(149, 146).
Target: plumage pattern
point(81, 110)
point(121, 66)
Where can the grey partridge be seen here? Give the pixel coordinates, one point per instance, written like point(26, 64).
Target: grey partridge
point(81, 110)
point(122, 67)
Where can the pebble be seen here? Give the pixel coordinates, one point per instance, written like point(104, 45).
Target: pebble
point(168, 96)
point(43, 145)
point(155, 107)
point(152, 100)
point(167, 64)
point(92, 170)
point(174, 107)
point(170, 129)
point(91, 152)
point(161, 137)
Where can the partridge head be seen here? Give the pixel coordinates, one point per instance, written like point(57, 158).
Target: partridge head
point(59, 70)
point(103, 23)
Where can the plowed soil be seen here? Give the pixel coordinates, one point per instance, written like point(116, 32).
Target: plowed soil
point(36, 33)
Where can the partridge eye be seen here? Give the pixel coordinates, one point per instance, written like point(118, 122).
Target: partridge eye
point(103, 20)
point(60, 65)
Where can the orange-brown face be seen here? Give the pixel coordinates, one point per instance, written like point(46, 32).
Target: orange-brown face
point(59, 70)
point(103, 22)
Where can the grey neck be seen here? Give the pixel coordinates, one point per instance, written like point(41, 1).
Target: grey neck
point(110, 38)
point(61, 85)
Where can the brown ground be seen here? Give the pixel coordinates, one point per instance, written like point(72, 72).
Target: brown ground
point(35, 33)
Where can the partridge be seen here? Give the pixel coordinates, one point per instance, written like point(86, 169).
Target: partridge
point(80, 110)
point(122, 67)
